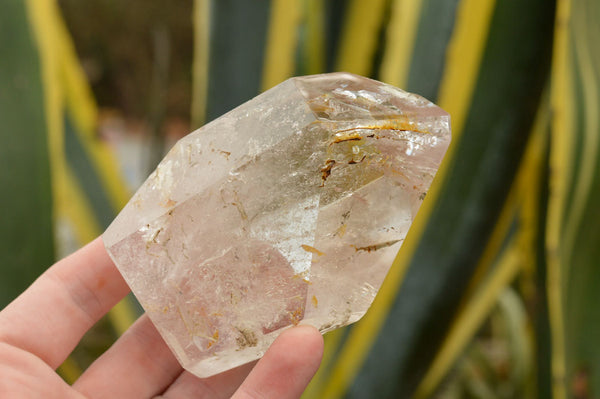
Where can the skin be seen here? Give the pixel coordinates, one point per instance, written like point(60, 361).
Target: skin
point(43, 325)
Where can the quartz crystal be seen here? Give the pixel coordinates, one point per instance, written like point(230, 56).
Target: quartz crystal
point(287, 210)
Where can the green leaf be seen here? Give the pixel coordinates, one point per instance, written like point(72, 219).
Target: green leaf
point(511, 77)
point(26, 235)
point(581, 234)
point(238, 32)
point(55, 169)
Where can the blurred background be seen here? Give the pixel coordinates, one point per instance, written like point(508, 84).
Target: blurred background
point(494, 292)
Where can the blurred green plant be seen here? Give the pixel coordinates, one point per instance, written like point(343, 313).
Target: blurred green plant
point(493, 292)
point(57, 176)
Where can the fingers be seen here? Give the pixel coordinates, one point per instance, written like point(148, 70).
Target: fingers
point(24, 375)
point(138, 365)
point(221, 385)
point(283, 372)
point(52, 315)
point(287, 367)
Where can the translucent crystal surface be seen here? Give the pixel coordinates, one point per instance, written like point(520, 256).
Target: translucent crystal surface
point(289, 209)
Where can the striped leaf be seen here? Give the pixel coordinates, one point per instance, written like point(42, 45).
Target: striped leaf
point(26, 237)
point(60, 177)
point(573, 229)
point(485, 153)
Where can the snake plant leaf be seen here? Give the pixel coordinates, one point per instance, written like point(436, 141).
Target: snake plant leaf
point(60, 176)
point(235, 52)
point(26, 234)
point(481, 167)
point(573, 228)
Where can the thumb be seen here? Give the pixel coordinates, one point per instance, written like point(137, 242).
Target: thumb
point(287, 367)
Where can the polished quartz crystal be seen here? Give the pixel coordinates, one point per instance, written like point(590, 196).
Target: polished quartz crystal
point(287, 210)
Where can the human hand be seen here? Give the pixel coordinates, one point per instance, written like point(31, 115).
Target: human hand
point(43, 325)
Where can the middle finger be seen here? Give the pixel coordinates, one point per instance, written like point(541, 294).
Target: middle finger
point(139, 364)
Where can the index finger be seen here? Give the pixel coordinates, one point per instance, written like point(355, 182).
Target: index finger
point(51, 316)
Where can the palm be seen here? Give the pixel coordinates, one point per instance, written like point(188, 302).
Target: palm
point(41, 327)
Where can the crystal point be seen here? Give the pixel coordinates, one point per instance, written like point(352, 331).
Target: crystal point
point(288, 209)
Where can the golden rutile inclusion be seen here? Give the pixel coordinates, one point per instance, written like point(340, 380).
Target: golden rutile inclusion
point(289, 209)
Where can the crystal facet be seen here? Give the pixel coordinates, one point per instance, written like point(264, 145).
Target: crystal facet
point(289, 209)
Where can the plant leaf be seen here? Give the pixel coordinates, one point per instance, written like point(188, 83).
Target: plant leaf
point(26, 235)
